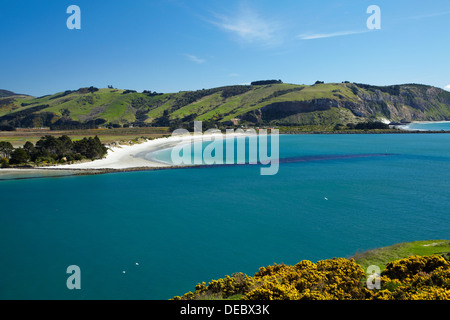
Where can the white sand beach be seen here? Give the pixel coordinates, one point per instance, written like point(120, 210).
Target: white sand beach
point(139, 155)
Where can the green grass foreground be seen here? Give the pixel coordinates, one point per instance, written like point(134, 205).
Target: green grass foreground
point(381, 256)
point(417, 270)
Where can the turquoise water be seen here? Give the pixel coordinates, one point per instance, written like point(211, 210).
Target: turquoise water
point(428, 126)
point(8, 174)
point(186, 226)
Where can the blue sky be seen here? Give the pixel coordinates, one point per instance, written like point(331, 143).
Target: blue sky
point(173, 45)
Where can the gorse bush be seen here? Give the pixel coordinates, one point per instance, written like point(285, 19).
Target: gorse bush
point(222, 288)
point(416, 278)
point(407, 268)
point(412, 278)
point(336, 278)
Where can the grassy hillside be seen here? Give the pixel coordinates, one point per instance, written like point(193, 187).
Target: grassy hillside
point(322, 104)
point(6, 93)
point(381, 256)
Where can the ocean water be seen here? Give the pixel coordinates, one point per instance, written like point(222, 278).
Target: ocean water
point(334, 195)
point(428, 126)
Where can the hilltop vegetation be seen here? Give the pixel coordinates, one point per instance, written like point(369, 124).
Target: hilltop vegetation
point(266, 102)
point(410, 271)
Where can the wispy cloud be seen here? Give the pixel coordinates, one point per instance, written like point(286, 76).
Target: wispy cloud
point(195, 59)
point(422, 16)
point(329, 35)
point(447, 87)
point(430, 15)
point(249, 26)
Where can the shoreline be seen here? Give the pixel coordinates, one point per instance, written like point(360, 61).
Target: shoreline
point(91, 171)
point(81, 172)
point(130, 158)
point(440, 121)
point(140, 155)
point(121, 158)
point(407, 126)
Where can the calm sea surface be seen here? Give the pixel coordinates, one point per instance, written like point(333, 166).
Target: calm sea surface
point(169, 230)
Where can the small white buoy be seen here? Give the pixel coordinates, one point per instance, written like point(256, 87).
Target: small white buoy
point(123, 271)
point(326, 198)
point(137, 263)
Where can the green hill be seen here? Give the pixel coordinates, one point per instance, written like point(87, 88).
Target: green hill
point(322, 104)
point(6, 93)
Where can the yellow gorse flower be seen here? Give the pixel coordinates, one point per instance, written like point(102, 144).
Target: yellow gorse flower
point(412, 278)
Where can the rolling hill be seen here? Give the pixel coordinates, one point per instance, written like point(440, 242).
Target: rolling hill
point(6, 93)
point(262, 103)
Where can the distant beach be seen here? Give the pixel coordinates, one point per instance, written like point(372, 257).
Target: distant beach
point(120, 158)
point(140, 155)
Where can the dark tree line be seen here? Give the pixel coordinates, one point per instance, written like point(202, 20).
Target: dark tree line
point(91, 89)
point(129, 91)
point(152, 94)
point(265, 82)
point(67, 123)
point(52, 150)
point(370, 125)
